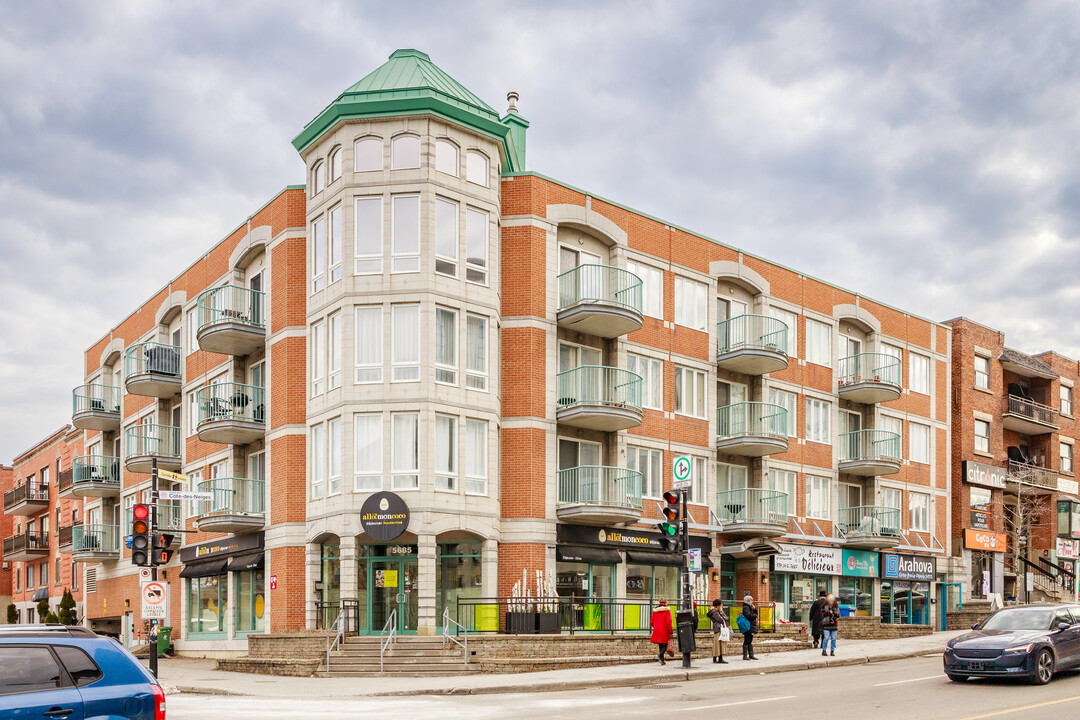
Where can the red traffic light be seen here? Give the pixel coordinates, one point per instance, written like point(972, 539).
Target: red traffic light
point(141, 512)
point(671, 497)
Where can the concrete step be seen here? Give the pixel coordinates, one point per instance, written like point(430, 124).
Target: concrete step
point(351, 660)
point(376, 673)
point(397, 652)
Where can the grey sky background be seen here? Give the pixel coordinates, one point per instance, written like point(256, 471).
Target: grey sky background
point(924, 154)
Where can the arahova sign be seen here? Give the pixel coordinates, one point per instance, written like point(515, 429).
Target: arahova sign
point(908, 567)
point(384, 516)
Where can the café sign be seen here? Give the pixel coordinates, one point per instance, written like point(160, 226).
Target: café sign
point(384, 516)
point(984, 475)
point(984, 540)
point(809, 559)
point(860, 563)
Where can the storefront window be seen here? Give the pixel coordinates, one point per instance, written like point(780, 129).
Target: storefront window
point(904, 602)
point(649, 583)
point(207, 601)
point(250, 602)
point(794, 594)
point(458, 575)
point(330, 576)
point(981, 563)
point(727, 580)
point(856, 596)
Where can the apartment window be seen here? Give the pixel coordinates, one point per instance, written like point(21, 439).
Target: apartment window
point(651, 371)
point(920, 374)
point(476, 168)
point(334, 246)
point(920, 512)
point(446, 237)
point(445, 452)
point(892, 498)
point(335, 164)
point(1066, 400)
point(689, 303)
point(318, 461)
point(792, 321)
point(318, 254)
point(982, 436)
point(318, 358)
point(785, 481)
point(652, 287)
point(333, 437)
point(318, 178)
point(818, 421)
point(698, 479)
point(367, 452)
point(45, 476)
point(368, 245)
point(368, 154)
point(476, 457)
point(476, 352)
point(982, 372)
point(818, 493)
point(195, 478)
point(445, 346)
point(1066, 458)
point(406, 232)
point(405, 152)
point(193, 329)
point(476, 246)
point(125, 514)
point(920, 443)
point(689, 392)
point(446, 157)
point(368, 344)
point(74, 576)
point(56, 574)
point(29, 577)
point(730, 477)
point(790, 402)
point(649, 463)
point(818, 342)
point(333, 350)
point(406, 343)
point(405, 460)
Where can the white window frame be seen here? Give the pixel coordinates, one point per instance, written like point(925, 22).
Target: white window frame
point(651, 371)
point(981, 375)
point(447, 212)
point(334, 238)
point(317, 452)
point(402, 158)
point(1065, 458)
point(318, 254)
point(367, 372)
point(369, 263)
point(404, 260)
point(982, 447)
point(446, 373)
point(367, 478)
point(918, 432)
point(374, 141)
point(920, 506)
point(791, 320)
point(818, 409)
point(919, 382)
point(818, 497)
point(333, 456)
point(819, 350)
point(403, 477)
point(477, 273)
point(787, 482)
point(318, 358)
point(193, 329)
point(473, 177)
point(318, 178)
point(724, 480)
point(790, 402)
point(699, 481)
point(1065, 399)
point(446, 477)
point(333, 165)
point(407, 370)
point(694, 381)
point(476, 476)
point(652, 287)
point(446, 163)
point(691, 306)
point(893, 498)
point(193, 413)
point(650, 463)
point(334, 350)
point(476, 378)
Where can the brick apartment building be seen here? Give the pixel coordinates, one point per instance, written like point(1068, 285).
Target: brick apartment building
point(1015, 491)
point(6, 577)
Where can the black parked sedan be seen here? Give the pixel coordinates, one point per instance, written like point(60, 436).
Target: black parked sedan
point(1030, 642)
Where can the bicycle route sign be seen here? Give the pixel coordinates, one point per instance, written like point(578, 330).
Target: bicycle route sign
point(680, 471)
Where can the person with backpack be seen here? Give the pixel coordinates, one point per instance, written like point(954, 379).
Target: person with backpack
point(748, 625)
point(815, 617)
point(830, 624)
point(660, 622)
point(720, 627)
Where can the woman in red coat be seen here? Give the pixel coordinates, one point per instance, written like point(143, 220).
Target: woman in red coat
point(660, 622)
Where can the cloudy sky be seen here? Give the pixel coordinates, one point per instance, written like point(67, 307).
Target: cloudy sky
point(926, 154)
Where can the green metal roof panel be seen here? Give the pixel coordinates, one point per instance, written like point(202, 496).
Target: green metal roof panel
point(413, 70)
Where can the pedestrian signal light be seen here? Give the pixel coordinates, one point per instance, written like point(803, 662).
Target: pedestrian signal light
point(162, 554)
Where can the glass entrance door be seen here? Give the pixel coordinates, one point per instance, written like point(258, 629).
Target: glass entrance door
point(393, 586)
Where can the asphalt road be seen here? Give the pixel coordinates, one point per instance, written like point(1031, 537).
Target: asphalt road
point(913, 689)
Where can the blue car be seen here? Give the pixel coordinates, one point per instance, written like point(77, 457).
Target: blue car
point(71, 673)
point(1030, 642)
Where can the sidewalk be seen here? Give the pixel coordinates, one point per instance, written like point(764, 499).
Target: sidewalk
point(198, 676)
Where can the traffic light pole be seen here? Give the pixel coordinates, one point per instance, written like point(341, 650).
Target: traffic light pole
point(153, 565)
point(687, 601)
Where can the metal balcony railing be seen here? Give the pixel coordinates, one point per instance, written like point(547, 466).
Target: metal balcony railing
point(752, 505)
point(756, 332)
point(65, 480)
point(231, 303)
point(24, 493)
point(600, 283)
point(1032, 410)
point(95, 398)
point(869, 445)
point(152, 357)
point(170, 516)
point(878, 520)
point(232, 496)
point(1032, 475)
point(26, 541)
point(600, 485)
point(96, 468)
point(95, 538)
point(870, 367)
point(152, 439)
point(63, 536)
point(751, 418)
point(231, 401)
point(599, 385)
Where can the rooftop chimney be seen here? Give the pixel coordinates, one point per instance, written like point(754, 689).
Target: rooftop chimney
point(512, 98)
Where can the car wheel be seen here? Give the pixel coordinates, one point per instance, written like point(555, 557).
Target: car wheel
point(1044, 667)
point(957, 678)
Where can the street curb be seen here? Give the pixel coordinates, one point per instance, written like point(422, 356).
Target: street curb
point(190, 690)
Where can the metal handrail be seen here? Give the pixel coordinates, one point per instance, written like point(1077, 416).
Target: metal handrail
point(598, 385)
point(391, 628)
point(1031, 410)
point(154, 358)
point(231, 401)
point(340, 627)
point(869, 445)
point(600, 283)
point(757, 332)
point(600, 485)
point(875, 520)
point(231, 303)
point(458, 629)
point(751, 418)
point(95, 398)
point(870, 367)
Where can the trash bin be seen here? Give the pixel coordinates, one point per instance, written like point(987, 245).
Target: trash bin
point(164, 639)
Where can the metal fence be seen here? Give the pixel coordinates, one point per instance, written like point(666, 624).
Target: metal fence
point(152, 439)
point(231, 401)
point(869, 445)
point(31, 491)
point(1032, 410)
point(752, 505)
point(869, 520)
point(96, 468)
point(240, 496)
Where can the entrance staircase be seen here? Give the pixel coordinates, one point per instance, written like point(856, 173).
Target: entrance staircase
point(409, 656)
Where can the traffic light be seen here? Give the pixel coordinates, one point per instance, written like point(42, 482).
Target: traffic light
point(140, 535)
point(162, 554)
point(669, 527)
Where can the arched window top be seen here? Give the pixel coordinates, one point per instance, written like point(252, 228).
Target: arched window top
point(405, 151)
point(368, 154)
point(318, 178)
point(446, 157)
point(476, 168)
point(334, 162)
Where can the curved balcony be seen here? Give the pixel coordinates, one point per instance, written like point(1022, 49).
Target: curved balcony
point(599, 398)
point(96, 407)
point(599, 495)
point(152, 369)
point(752, 344)
point(600, 300)
point(95, 543)
point(752, 429)
point(869, 378)
point(231, 413)
point(869, 452)
point(96, 476)
point(752, 512)
point(147, 442)
point(27, 499)
point(231, 320)
point(871, 527)
point(27, 546)
point(237, 505)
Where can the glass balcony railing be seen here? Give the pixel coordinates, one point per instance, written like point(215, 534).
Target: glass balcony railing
point(755, 332)
point(95, 398)
point(870, 368)
point(232, 496)
point(231, 401)
point(231, 304)
point(868, 445)
point(751, 418)
point(869, 520)
point(95, 538)
point(600, 485)
point(96, 469)
point(752, 505)
point(152, 439)
point(152, 358)
point(600, 283)
point(598, 385)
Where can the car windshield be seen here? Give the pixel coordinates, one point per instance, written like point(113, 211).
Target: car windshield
point(1018, 620)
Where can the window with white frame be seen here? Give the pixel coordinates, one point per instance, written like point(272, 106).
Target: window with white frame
point(368, 243)
point(895, 426)
point(919, 380)
point(649, 463)
point(476, 246)
point(445, 452)
point(193, 329)
point(982, 435)
point(893, 352)
point(445, 346)
point(406, 358)
point(893, 498)
point(318, 358)
point(333, 442)
point(334, 244)
point(730, 477)
point(333, 350)
point(818, 343)
point(446, 237)
point(318, 254)
point(1066, 458)
point(476, 168)
point(367, 452)
point(651, 371)
point(920, 443)
point(334, 162)
point(317, 453)
point(790, 402)
point(792, 321)
point(194, 478)
point(368, 344)
point(446, 157)
point(193, 413)
point(476, 361)
point(690, 306)
point(818, 421)
point(476, 457)
point(257, 466)
point(405, 458)
point(405, 152)
point(406, 233)
point(368, 154)
point(698, 480)
point(652, 287)
point(125, 515)
point(1065, 395)
point(689, 392)
point(920, 511)
point(318, 178)
point(982, 372)
point(785, 481)
point(818, 496)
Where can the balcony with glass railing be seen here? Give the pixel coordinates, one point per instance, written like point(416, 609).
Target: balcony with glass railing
point(96, 407)
point(146, 442)
point(752, 429)
point(599, 495)
point(26, 499)
point(96, 476)
point(231, 413)
point(752, 344)
point(153, 369)
point(869, 452)
point(26, 546)
point(752, 512)
point(95, 543)
point(871, 527)
point(236, 505)
point(869, 378)
point(231, 320)
point(600, 300)
point(599, 398)
point(1028, 417)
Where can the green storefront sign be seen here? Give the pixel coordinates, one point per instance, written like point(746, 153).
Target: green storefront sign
point(860, 563)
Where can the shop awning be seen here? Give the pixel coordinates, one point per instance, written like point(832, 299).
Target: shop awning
point(577, 553)
point(39, 595)
point(204, 569)
point(644, 557)
point(254, 561)
point(759, 547)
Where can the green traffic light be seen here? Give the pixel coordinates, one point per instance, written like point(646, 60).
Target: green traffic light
point(669, 529)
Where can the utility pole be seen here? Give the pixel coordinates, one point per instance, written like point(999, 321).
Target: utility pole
point(153, 564)
point(687, 601)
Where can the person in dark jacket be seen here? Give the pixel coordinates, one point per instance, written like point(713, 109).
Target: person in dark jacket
point(751, 614)
point(830, 624)
point(815, 617)
point(719, 622)
point(660, 622)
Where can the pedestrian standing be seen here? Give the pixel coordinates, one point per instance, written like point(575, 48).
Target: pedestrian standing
point(660, 622)
point(815, 617)
point(830, 624)
point(749, 625)
point(720, 627)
